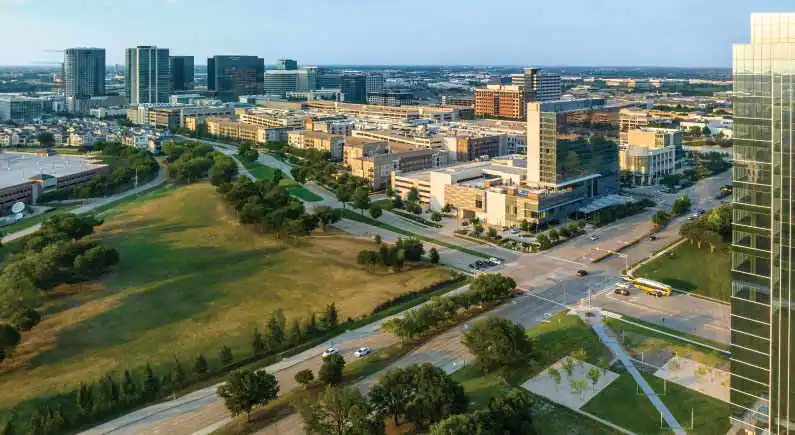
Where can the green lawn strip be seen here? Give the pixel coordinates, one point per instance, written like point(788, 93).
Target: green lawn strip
point(263, 172)
point(692, 269)
point(414, 218)
point(618, 326)
point(623, 404)
point(29, 222)
point(352, 215)
point(144, 195)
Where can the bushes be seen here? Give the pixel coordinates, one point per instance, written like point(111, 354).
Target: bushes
point(392, 256)
point(411, 295)
point(616, 212)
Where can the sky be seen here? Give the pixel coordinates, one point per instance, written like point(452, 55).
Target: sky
point(680, 33)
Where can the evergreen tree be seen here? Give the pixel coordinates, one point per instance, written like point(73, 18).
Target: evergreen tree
point(128, 387)
point(294, 333)
point(151, 384)
point(225, 356)
point(178, 375)
point(85, 400)
point(331, 316)
point(200, 365)
point(257, 342)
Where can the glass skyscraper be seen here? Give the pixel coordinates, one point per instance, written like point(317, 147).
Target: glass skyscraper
point(147, 75)
point(762, 382)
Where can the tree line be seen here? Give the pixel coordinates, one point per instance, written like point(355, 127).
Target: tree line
point(189, 162)
point(139, 163)
point(485, 288)
point(712, 229)
point(394, 256)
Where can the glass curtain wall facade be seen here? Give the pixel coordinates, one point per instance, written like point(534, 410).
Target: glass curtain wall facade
point(762, 384)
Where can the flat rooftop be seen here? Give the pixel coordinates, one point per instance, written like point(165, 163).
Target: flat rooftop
point(18, 168)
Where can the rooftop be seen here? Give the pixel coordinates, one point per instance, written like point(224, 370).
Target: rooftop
point(18, 168)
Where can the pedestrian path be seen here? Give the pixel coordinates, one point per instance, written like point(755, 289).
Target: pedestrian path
point(610, 342)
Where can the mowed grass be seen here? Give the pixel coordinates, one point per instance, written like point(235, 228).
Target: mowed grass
point(692, 269)
point(623, 404)
point(262, 172)
point(191, 280)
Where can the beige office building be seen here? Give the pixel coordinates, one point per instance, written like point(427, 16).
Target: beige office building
point(505, 101)
point(630, 119)
point(650, 154)
point(317, 140)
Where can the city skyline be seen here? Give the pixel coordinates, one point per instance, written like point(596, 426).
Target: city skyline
point(627, 33)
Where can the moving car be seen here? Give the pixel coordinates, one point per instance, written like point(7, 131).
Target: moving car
point(593, 238)
point(581, 273)
point(624, 285)
point(495, 261)
point(652, 237)
point(362, 352)
point(621, 291)
point(330, 351)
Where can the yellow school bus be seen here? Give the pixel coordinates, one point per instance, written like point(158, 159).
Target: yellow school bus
point(654, 288)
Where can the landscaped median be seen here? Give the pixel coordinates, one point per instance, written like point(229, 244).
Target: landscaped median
point(352, 215)
point(262, 172)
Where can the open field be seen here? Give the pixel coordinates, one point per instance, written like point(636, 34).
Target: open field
point(621, 404)
point(191, 279)
point(262, 172)
point(692, 269)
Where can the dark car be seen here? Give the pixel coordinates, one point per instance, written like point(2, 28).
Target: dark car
point(621, 291)
point(582, 273)
point(652, 237)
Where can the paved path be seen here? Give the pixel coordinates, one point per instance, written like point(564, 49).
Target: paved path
point(610, 342)
point(94, 204)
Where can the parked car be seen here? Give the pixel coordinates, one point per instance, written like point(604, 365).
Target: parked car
point(652, 237)
point(495, 261)
point(515, 230)
point(593, 238)
point(362, 352)
point(621, 291)
point(330, 351)
point(702, 211)
point(581, 273)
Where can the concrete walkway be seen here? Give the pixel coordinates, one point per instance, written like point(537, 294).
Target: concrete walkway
point(610, 342)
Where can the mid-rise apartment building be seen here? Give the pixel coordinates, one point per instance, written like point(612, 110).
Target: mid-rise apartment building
point(390, 98)
point(340, 125)
point(762, 388)
point(272, 118)
point(505, 101)
point(375, 160)
point(147, 75)
point(317, 140)
point(469, 148)
point(375, 83)
point(395, 138)
point(229, 128)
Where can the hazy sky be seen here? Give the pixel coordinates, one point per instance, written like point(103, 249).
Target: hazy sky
point(497, 32)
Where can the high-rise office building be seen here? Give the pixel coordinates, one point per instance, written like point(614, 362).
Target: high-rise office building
point(307, 78)
point(375, 83)
point(147, 75)
point(573, 145)
point(232, 76)
point(287, 64)
point(504, 101)
point(354, 88)
point(280, 82)
point(539, 84)
point(762, 324)
point(182, 73)
point(84, 70)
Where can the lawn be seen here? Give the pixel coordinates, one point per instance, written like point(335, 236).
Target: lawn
point(622, 404)
point(694, 270)
point(191, 279)
point(385, 204)
point(262, 172)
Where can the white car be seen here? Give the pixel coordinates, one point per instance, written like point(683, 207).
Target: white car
point(363, 352)
point(330, 351)
point(593, 238)
point(495, 260)
point(623, 285)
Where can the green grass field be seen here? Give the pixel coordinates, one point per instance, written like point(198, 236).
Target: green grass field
point(262, 172)
point(621, 403)
point(191, 279)
point(692, 269)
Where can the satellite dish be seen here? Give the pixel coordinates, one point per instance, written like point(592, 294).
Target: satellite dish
point(18, 207)
point(19, 216)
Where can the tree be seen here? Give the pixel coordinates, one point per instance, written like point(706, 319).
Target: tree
point(434, 256)
point(436, 216)
point(660, 218)
point(377, 239)
point(603, 365)
point(327, 216)
point(361, 199)
point(706, 131)
point(331, 370)
point(304, 377)
point(85, 400)
point(393, 392)
point(341, 411)
point(110, 392)
point(681, 205)
point(579, 356)
point(397, 202)
point(478, 229)
point(151, 384)
point(200, 365)
point(331, 316)
point(578, 385)
point(413, 195)
point(245, 389)
point(225, 356)
point(555, 374)
point(46, 139)
point(564, 232)
point(257, 342)
point(129, 389)
point(25, 319)
point(9, 338)
point(512, 413)
point(543, 242)
point(594, 374)
point(492, 233)
point(437, 396)
point(554, 235)
point(294, 334)
point(568, 365)
point(375, 211)
point(492, 286)
point(496, 342)
point(344, 194)
point(274, 333)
